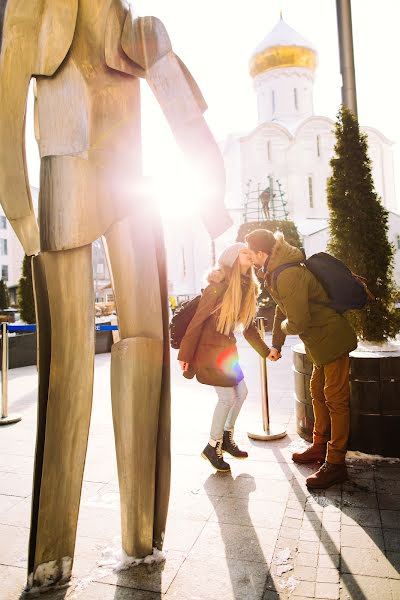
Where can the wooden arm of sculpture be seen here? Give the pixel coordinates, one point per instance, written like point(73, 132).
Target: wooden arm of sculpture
point(146, 42)
point(34, 37)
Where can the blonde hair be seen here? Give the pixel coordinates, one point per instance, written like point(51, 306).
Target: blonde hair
point(238, 307)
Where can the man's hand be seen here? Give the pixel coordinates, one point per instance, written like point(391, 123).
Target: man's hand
point(184, 365)
point(274, 355)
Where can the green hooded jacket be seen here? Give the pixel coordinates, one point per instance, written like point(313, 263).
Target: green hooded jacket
point(326, 334)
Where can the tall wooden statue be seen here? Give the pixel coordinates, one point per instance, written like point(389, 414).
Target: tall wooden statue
point(87, 57)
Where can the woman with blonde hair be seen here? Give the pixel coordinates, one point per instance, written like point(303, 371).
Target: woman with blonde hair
point(208, 348)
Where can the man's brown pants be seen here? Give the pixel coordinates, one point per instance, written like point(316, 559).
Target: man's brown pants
point(330, 392)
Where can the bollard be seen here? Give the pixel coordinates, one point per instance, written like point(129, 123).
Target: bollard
point(267, 432)
point(5, 419)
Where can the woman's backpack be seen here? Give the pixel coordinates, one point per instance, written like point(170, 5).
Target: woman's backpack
point(180, 321)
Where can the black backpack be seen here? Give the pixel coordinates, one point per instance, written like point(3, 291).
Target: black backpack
point(346, 290)
point(180, 321)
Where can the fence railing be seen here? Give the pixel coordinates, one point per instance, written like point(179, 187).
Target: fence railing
point(7, 328)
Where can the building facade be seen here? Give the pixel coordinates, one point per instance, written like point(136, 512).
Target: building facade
point(289, 151)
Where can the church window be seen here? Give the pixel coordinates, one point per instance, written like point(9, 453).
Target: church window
point(310, 192)
point(269, 150)
point(273, 101)
point(318, 145)
point(296, 103)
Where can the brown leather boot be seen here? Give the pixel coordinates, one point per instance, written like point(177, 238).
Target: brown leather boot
point(328, 474)
point(314, 453)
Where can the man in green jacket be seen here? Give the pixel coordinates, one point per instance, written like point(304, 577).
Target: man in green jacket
point(301, 309)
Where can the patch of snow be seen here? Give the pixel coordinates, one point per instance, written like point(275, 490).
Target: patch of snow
point(290, 584)
point(355, 455)
point(283, 569)
point(282, 557)
point(118, 560)
point(390, 346)
point(49, 575)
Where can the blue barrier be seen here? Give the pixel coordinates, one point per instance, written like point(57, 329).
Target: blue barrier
point(15, 328)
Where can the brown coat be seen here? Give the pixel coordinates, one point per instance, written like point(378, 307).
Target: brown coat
point(213, 356)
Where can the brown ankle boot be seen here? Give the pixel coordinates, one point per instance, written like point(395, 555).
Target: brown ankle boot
point(314, 453)
point(328, 474)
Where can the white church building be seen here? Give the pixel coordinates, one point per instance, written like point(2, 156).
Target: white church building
point(288, 152)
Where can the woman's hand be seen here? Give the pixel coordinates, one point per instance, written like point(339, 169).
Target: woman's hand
point(184, 365)
point(274, 355)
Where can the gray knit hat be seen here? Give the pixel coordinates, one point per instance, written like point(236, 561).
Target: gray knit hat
point(230, 254)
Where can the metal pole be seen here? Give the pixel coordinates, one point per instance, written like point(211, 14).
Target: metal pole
point(346, 51)
point(268, 432)
point(6, 419)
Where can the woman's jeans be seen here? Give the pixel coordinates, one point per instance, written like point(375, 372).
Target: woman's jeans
point(230, 400)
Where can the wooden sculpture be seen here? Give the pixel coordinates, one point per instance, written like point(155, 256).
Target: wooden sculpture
point(87, 57)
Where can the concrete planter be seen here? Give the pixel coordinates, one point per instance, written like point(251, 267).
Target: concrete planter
point(22, 348)
point(374, 400)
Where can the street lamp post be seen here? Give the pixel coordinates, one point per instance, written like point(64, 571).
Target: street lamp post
point(346, 51)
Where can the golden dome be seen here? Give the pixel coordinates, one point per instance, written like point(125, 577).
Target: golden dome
point(283, 47)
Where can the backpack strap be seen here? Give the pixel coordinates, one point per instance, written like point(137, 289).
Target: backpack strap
point(281, 268)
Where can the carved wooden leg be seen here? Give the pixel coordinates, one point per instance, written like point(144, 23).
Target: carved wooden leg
point(66, 325)
point(137, 385)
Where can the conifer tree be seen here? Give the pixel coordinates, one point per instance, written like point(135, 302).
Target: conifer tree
point(4, 297)
point(359, 229)
point(25, 292)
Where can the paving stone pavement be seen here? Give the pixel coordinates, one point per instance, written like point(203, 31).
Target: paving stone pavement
point(254, 534)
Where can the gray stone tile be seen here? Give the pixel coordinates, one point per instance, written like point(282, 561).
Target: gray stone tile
point(395, 587)
point(384, 473)
point(325, 575)
point(257, 513)
point(304, 588)
point(388, 487)
point(390, 519)
point(389, 501)
point(12, 582)
point(309, 535)
point(98, 521)
point(104, 591)
point(359, 484)
point(13, 546)
point(235, 542)
point(360, 587)
point(366, 517)
point(363, 561)
point(227, 579)
point(362, 537)
point(327, 591)
point(305, 559)
point(7, 502)
point(328, 561)
point(12, 463)
point(394, 564)
point(392, 540)
point(15, 484)
point(193, 507)
point(19, 514)
point(289, 533)
point(308, 547)
point(181, 534)
point(305, 573)
point(359, 499)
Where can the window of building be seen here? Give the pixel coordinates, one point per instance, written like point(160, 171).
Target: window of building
point(3, 247)
point(398, 242)
point(310, 191)
point(273, 101)
point(100, 268)
point(3, 222)
point(4, 272)
point(269, 150)
point(296, 102)
point(318, 145)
